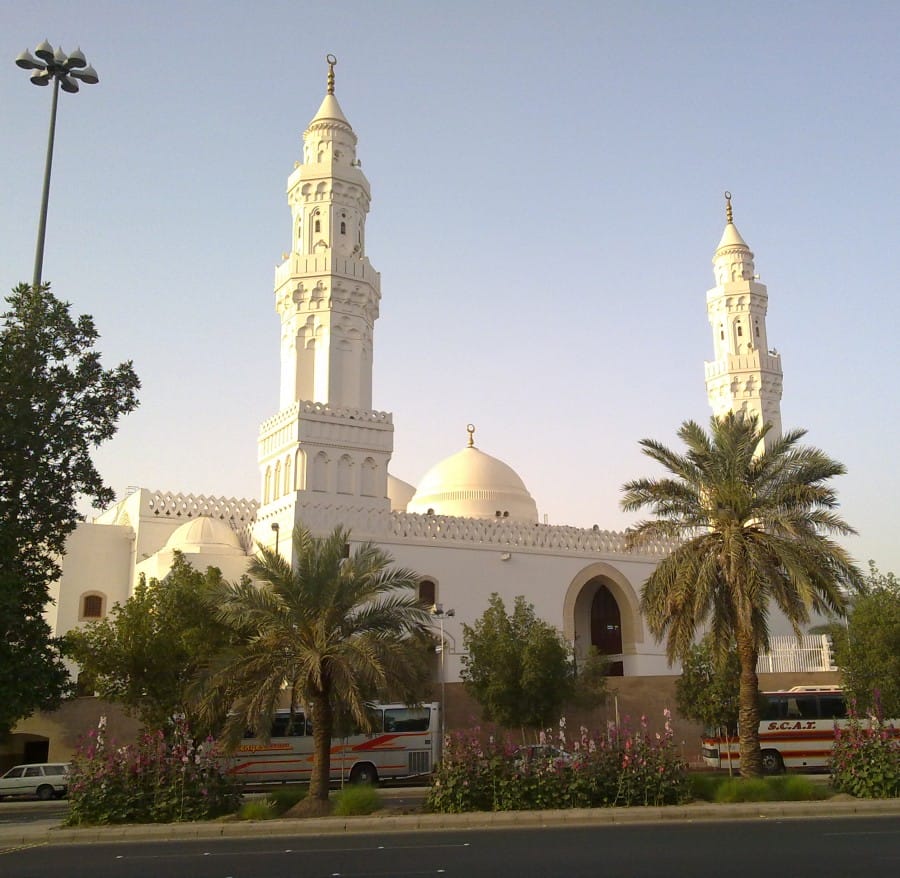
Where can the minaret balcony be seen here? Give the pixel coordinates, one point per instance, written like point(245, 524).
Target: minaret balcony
point(755, 361)
point(327, 264)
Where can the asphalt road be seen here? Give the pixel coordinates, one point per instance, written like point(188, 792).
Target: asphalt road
point(817, 848)
point(15, 811)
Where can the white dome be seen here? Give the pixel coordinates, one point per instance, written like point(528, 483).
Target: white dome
point(472, 484)
point(204, 535)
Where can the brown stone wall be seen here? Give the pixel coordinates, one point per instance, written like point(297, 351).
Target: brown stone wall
point(630, 699)
point(63, 727)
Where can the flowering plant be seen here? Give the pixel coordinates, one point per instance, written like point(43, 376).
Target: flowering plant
point(160, 779)
point(865, 761)
point(618, 767)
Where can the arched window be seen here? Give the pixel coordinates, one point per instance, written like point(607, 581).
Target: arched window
point(343, 228)
point(267, 485)
point(288, 487)
point(91, 606)
point(427, 593)
point(276, 486)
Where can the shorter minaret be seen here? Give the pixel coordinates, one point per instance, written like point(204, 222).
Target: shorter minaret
point(745, 374)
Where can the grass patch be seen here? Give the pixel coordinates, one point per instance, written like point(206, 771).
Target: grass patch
point(753, 789)
point(257, 809)
point(721, 788)
point(285, 798)
point(273, 804)
point(355, 801)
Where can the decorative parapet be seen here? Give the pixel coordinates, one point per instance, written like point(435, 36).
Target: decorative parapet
point(237, 512)
point(379, 525)
point(298, 264)
point(323, 411)
point(506, 534)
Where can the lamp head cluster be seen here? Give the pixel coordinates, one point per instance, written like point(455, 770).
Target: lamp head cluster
point(53, 63)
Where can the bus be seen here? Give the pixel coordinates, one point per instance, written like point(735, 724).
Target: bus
point(796, 730)
point(405, 743)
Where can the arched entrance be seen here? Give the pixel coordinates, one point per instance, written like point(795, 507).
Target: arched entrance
point(601, 611)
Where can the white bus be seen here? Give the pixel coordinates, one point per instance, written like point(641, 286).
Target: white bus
point(796, 730)
point(405, 743)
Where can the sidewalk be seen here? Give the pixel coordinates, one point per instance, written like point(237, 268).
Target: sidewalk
point(50, 832)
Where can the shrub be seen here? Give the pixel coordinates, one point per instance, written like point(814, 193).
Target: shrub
point(157, 780)
point(866, 757)
point(354, 801)
point(621, 767)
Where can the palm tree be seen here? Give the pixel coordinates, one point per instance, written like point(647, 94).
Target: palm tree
point(333, 630)
point(751, 530)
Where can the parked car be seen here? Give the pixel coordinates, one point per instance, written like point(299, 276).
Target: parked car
point(46, 781)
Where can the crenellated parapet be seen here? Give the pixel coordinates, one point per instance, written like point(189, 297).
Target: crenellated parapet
point(502, 534)
point(522, 536)
point(233, 510)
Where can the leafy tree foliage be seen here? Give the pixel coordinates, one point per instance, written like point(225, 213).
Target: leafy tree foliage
point(57, 403)
point(517, 667)
point(750, 531)
point(335, 630)
point(149, 652)
point(707, 690)
point(868, 650)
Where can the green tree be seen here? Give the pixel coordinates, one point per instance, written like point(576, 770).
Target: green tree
point(57, 403)
point(749, 529)
point(707, 690)
point(334, 630)
point(517, 667)
point(868, 650)
point(149, 652)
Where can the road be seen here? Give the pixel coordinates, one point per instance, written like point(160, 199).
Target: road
point(818, 848)
point(13, 811)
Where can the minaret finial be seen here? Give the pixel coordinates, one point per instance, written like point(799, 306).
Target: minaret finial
point(729, 216)
point(331, 62)
point(471, 430)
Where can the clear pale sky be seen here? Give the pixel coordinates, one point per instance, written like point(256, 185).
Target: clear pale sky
point(547, 194)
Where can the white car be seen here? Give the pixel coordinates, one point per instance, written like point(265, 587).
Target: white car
point(46, 781)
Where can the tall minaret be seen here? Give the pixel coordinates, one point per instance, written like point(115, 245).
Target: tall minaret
point(745, 374)
point(325, 448)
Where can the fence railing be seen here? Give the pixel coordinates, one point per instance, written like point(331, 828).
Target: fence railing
point(787, 654)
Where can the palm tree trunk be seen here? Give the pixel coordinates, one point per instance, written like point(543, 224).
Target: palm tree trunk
point(323, 727)
point(748, 709)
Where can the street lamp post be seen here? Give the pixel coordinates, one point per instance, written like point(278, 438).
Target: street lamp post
point(438, 611)
point(64, 70)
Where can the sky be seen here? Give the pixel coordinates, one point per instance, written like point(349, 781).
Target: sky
point(547, 193)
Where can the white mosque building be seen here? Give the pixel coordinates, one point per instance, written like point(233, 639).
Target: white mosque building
point(470, 527)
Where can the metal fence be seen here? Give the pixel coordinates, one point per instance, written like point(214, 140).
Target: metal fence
point(788, 654)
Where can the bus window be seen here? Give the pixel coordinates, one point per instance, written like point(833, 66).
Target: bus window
point(406, 719)
point(803, 707)
point(773, 707)
point(282, 727)
point(833, 706)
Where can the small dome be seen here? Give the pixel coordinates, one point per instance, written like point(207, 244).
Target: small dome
point(472, 484)
point(399, 493)
point(206, 536)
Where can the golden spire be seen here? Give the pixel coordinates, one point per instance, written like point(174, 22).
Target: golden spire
point(729, 216)
point(331, 62)
point(471, 430)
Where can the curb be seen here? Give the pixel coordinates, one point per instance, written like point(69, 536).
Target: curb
point(39, 834)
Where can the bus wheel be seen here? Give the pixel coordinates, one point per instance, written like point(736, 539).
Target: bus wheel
point(364, 773)
point(772, 762)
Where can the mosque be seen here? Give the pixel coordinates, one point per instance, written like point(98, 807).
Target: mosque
point(470, 527)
